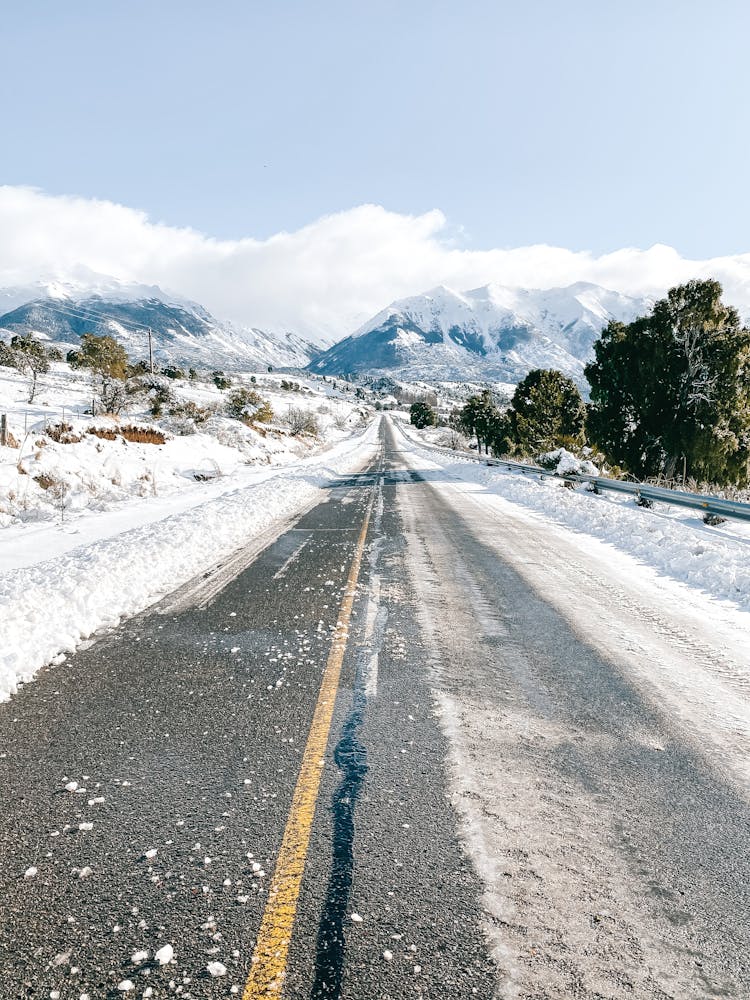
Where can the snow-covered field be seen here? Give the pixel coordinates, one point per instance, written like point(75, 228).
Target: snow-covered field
point(96, 529)
point(60, 465)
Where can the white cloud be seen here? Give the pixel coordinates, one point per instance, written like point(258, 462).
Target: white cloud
point(326, 277)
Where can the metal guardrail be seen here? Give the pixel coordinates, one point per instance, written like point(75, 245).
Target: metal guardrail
point(641, 491)
point(648, 495)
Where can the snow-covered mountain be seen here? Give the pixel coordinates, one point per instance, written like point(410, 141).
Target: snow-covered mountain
point(492, 332)
point(183, 332)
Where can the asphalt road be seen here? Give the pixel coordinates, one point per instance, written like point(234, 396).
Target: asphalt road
point(446, 829)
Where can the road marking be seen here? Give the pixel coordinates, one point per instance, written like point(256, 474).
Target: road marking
point(201, 590)
point(268, 966)
point(281, 572)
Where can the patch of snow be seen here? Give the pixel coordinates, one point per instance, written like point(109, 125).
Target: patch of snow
point(164, 955)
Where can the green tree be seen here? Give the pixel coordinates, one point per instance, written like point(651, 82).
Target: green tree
point(421, 414)
point(107, 360)
point(546, 411)
point(30, 358)
point(480, 417)
point(673, 387)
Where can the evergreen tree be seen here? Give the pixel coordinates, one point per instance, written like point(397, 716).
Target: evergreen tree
point(421, 414)
point(674, 387)
point(547, 411)
point(481, 417)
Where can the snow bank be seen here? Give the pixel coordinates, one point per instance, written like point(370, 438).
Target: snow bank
point(672, 541)
point(50, 607)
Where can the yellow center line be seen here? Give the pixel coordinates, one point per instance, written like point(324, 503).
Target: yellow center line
point(268, 966)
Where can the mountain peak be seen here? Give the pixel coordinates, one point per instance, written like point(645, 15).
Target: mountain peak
point(495, 332)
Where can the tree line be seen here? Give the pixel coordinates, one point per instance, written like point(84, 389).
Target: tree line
point(669, 396)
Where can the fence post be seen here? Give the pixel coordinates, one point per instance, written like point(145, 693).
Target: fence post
point(3, 430)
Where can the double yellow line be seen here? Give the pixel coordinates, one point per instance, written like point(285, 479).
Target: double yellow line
point(268, 967)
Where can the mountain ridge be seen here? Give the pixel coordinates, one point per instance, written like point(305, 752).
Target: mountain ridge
point(493, 332)
point(183, 332)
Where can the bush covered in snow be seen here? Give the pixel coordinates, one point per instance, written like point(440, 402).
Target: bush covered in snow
point(248, 405)
point(565, 463)
point(302, 421)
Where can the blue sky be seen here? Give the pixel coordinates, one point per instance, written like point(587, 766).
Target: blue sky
point(584, 125)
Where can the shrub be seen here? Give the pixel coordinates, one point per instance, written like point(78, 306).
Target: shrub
point(48, 483)
point(108, 362)
point(220, 380)
point(156, 391)
point(7, 357)
point(190, 410)
point(453, 439)
point(247, 405)
point(241, 402)
point(264, 413)
point(302, 421)
point(139, 368)
point(131, 432)
point(63, 433)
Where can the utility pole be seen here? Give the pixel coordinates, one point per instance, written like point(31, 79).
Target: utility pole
point(150, 352)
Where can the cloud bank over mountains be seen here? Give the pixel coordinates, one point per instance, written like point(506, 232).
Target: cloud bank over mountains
point(322, 280)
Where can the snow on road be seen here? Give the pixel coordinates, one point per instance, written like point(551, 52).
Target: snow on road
point(665, 598)
point(127, 559)
point(675, 542)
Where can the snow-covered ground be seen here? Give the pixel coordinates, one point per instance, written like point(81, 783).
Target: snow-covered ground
point(59, 466)
point(94, 530)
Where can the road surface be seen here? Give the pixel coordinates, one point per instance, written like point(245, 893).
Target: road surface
point(412, 749)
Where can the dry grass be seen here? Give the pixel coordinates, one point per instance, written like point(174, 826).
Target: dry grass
point(131, 432)
point(46, 481)
point(63, 434)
